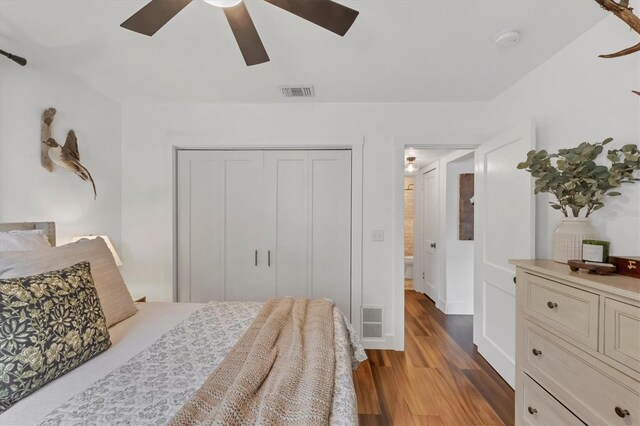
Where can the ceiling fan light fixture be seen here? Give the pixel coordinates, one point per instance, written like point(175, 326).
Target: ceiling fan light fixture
point(223, 3)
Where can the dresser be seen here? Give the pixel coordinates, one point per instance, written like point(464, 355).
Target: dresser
point(577, 346)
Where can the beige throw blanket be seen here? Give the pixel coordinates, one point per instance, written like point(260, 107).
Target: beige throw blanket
point(280, 372)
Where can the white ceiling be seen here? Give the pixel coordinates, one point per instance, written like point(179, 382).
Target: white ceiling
point(396, 51)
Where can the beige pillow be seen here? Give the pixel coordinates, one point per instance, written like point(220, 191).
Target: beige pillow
point(115, 299)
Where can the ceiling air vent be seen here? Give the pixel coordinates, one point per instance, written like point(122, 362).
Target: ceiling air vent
point(298, 91)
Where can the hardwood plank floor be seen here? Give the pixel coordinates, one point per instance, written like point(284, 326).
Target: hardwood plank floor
point(439, 379)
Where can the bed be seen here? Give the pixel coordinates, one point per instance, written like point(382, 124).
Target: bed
point(159, 358)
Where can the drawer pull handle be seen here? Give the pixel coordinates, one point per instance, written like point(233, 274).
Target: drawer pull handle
point(532, 410)
point(536, 352)
point(552, 305)
point(621, 412)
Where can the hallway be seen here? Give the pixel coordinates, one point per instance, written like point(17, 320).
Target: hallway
point(440, 379)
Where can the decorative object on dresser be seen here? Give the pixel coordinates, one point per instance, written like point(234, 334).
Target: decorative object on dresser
point(595, 251)
point(626, 265)
point(107, 240)
point(577, 346)
point(624, 11)
point(595, 268)
point(578, 183)
point(66, 156)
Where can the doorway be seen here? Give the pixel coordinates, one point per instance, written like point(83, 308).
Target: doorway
point(504, 228)
point(438, 209)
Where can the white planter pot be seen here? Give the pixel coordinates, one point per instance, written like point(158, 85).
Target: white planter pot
point(567, 239)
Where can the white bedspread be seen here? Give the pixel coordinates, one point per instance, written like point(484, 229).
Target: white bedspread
point(159, 358)
point(128, 338)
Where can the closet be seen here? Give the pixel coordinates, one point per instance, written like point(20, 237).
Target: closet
point(257, 224)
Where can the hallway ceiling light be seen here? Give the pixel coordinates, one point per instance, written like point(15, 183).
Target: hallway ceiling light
point(411, 165)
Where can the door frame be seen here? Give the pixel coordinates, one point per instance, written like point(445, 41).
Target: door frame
point(354, 144)
point(399, 147)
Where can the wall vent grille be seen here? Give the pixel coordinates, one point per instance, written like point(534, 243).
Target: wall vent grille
point(372, 322)
point(298, 91)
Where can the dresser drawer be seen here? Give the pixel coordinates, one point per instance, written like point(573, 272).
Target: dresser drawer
point(542, 409)
point(622, 333)
point(568, 310)
point(581, 381)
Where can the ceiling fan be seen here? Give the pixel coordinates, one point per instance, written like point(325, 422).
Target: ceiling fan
point(325, 13)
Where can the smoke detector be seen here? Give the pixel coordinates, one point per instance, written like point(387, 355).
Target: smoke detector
point(507, 39)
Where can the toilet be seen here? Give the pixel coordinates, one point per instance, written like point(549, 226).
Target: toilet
point(408, 267)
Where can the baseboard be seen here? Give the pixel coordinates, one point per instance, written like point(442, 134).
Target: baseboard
point(459, 308)
point(441, 304)
point(388, 342)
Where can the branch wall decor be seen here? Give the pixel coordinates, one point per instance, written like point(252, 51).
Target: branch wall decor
point(625, 12)
point(45, 134)
point(66, 156)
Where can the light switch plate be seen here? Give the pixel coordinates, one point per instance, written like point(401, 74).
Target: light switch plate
point(377, 235)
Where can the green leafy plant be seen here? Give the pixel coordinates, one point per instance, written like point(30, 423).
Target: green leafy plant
point(575, 179)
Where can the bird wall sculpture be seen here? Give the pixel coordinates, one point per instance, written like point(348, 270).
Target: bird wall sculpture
point(66, 156)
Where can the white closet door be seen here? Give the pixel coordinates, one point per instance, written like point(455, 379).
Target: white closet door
point(245, 220)
point(200, 235)
point(220, 223)
point(329, 219)
point(286, 195)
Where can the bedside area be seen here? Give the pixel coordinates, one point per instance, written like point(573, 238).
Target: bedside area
point(577, 346)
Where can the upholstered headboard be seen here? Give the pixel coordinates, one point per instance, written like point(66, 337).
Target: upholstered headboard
point(49, 228)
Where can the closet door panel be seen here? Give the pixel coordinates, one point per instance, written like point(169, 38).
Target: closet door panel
point(286, 197)
point(244, 224)
point(199, 232)
point(329, 216)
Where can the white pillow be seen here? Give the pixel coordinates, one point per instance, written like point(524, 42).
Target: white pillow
point(32, 239)
point(113, 293)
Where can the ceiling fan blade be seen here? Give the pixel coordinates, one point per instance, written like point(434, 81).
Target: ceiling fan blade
point(246, 34)
point(154, 15)
point(325, 13)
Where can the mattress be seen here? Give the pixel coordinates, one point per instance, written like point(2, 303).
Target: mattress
point(128, 338)
point(159, 358)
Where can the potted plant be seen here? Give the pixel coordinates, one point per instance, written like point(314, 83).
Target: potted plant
point(579, 184)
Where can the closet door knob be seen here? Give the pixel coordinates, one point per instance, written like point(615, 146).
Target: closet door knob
point(552, 305)
point(532, 410)
point(269, 258)
point(256, 258)
point(536, 352)
point(622, 412)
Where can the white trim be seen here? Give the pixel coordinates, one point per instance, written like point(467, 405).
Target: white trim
point(458, 308)
point(184, 141)
point(385, 343)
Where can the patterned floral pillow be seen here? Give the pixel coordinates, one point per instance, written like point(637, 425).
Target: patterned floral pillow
point(49, 324)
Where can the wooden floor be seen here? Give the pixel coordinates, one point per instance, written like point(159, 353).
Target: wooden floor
point(440, 379)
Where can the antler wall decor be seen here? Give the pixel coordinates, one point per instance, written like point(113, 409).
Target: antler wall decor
point(625, 12)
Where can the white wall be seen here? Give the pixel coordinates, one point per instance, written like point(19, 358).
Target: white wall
point(149, 131)
point(459, 254)
point(574, 97)
point(28, 192)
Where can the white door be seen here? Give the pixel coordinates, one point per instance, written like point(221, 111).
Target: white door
point(246, 257)
point(329, 229)
point(430, 233)
point(220, 224)
point(286, 191)
point(504, 229)
point(254, 225)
